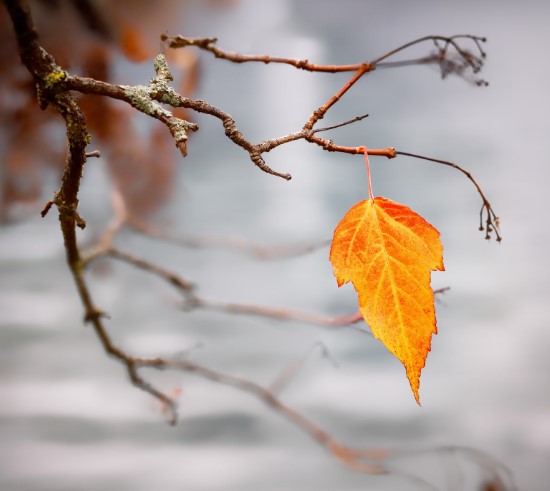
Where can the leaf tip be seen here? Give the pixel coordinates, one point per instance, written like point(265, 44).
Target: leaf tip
point(413, 375)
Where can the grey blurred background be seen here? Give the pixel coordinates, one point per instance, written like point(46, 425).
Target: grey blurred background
point(69, 419)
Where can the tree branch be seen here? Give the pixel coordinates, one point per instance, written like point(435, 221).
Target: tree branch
point(46, 74)
point(53, 86)
point(208, 44)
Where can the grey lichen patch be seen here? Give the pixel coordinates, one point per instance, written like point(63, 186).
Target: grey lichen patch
point(149, 100)
point(162, 69)
point(140, 98)
point(167, 95)
point(178, 128)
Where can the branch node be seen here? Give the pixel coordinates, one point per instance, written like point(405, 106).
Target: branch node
point(260, 162)
point(80, 222)
point(46, 208)
point(178, 128)
point(95, 315)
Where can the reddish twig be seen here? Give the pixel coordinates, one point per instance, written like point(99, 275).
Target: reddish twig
point(442, 57)
point(208, 44)
point(320, 112)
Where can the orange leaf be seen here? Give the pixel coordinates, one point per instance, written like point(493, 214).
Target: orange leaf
point(388, 252)
point(133, 46)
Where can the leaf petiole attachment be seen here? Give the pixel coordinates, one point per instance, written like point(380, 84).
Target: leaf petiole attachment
point(364, 151)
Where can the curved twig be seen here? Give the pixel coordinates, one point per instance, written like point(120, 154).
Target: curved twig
point(491, 220)
point(448, 40)
point(450, 62)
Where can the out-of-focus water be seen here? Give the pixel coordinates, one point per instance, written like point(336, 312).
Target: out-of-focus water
point(69, 419)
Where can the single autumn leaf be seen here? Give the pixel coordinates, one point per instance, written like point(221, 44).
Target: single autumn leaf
point(388, 252)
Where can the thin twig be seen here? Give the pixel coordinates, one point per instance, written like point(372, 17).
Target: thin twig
point(290, 371)
point(339, 125)
point(365, 461)
point(279, 314)
point(450, 63)
point(208, 44)
point(264, 253)
point(491, 220)
point(319, 113)
point(168, 275)
point(450, 40)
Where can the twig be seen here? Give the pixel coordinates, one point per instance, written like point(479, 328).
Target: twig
point(457, 64)
point(361, 460)
point(265, 253)
point(339, 125)
point(146, 99)
point(194, 301)
point(474, 62)
point(290, 371)
point(448, 40)
point(207, 44)
point(500, 474)
point(321, 111)
point(278, 314)
point(491, 220)
point(172, 278)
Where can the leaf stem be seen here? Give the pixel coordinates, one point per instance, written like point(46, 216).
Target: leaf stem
point(364, 151)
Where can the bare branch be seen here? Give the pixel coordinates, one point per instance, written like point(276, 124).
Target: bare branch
point(207, 44)
point(361, 460)
point(194, 301)
point(266, 253)
point(44, 69)
point(143, 98)
point(278, 314)
point(442, 57)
